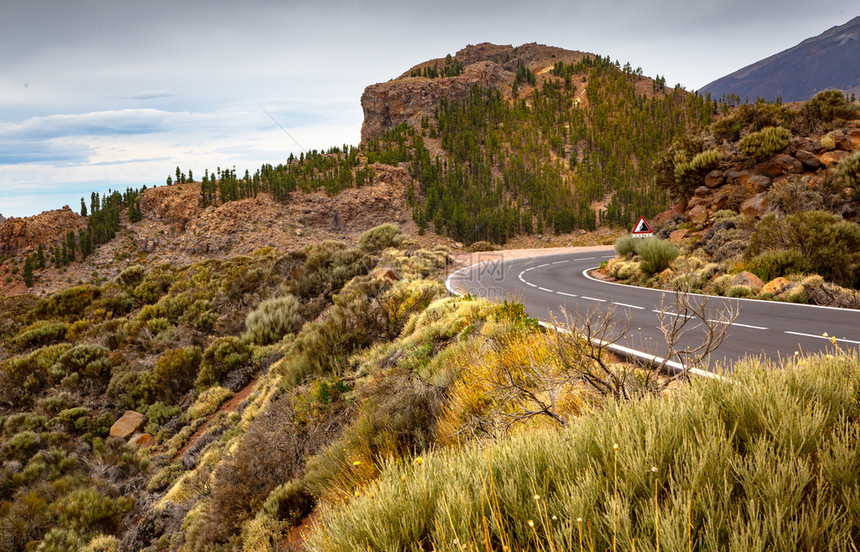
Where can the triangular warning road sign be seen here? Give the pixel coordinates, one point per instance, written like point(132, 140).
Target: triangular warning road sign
point(642, 227)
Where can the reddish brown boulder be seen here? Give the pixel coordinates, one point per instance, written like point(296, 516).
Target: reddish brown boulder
point(832, 158)
point(385, 272)
point(776, 286)
point(678, 235)
point(715, 179)
point(844, 142)
point(719, 201)
point(143, 440)
point(127, 425)
point(698, 214)
point(668, 214)
point(754, 206)
point(854, 135)
point(748, 279)
point(809, 159)
point(780, 164)
point(758, 183)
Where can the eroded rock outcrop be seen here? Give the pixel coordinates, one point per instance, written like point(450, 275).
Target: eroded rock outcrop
point(19, 235)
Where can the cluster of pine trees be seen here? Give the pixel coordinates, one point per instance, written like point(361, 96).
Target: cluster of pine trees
point(513, 165)
point(452, 68)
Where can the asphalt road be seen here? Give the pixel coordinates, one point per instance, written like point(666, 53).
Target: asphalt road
point(548, 285)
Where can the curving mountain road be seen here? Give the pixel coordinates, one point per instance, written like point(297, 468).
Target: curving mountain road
point(549, 283)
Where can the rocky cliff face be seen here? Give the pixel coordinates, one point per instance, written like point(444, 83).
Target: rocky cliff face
point(18, 235)
point(407, 99)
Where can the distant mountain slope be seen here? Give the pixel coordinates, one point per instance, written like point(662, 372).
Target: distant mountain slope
point(829, 60)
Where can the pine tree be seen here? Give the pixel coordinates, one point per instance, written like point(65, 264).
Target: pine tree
point(83, 208)
point(28, 272)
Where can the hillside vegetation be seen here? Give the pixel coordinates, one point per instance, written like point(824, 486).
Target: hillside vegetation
point(768, 207)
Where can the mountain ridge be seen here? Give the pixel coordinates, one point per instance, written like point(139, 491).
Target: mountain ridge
point(829, 60)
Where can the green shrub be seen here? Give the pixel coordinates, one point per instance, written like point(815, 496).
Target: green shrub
point(90, 510)
point(380, 237)
point(68, 303)
point(764, 143)
point(102, 543)
point(174, 373)
point(740, 291)
point(847, 175)
point(61, 540)
point(22, 445)
point(329, 266)
point(132, 276)
point(159, 413)
point(74, 418)
point(625, 246)
point(830, 105)
point(828, 143)
point(90, 361)
point(830, 244)
point(781, 262)
point(272, 320)
point(656, 254)
point(224, 355)
point(165, 478)
point(41, 333)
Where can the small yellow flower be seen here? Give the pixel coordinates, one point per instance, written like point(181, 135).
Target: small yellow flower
point(356, 494)
point(531, 523)
point(403, 478)
point(356, 463)
point(828, 356)
point(825, 334)
point(615, 446)
point(371, 495)
point(419, 461)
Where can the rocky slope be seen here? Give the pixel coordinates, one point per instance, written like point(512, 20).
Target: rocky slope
point(20, 235)
point(746, 189)
point(177, 230)
point(829, 60)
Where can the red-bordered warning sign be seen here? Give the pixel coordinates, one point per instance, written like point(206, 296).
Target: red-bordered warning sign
point(642, 228)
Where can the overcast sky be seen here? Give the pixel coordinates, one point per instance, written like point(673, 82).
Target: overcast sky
point(98, 94)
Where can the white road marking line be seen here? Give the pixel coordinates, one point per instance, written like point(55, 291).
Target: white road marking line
point(714, 321)
point(544, 289)
point(521, 278)
point(567, 294)
point(594, 299)
point(560, 262)
point(628, 306)
point(543, 265)
point(531, 284)
point(843, 340)
point(739, 324)
point(586, 259)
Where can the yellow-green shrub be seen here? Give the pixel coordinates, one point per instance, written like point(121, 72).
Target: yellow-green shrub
point(272, 319)
point(764, 143)
point(220, 358)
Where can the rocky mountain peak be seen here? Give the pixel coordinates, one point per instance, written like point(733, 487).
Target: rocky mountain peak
point(411, 96)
